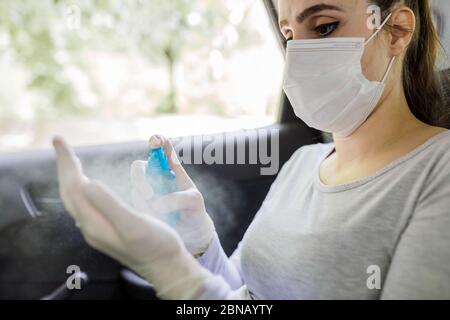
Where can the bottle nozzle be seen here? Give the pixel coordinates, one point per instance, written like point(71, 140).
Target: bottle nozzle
point(156, 142)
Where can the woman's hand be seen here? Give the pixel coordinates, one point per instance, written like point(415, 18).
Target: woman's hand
point(195, 228)
point(145, 244)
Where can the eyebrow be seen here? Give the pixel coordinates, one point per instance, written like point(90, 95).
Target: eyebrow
point(305, 14)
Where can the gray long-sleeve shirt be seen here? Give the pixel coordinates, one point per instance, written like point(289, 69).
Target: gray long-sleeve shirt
point(384, 237)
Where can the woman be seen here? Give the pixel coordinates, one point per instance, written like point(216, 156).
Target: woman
point(366, 217)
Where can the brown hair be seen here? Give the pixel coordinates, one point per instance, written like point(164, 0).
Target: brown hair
point(421, 80)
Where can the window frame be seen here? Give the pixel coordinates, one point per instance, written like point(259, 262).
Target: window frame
point(286, 114)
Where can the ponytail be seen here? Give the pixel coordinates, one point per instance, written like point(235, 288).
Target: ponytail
point(421, 80)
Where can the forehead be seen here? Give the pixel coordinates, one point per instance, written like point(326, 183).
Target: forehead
point(289, 7)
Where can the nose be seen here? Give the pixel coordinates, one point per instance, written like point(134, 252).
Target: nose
point(293, 33)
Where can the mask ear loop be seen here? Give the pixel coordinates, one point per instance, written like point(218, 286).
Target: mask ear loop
point(378, 29)
point(386, 74)
point(388, 70)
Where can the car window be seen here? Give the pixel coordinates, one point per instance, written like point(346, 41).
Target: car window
point(442, 15)
point(112, 71)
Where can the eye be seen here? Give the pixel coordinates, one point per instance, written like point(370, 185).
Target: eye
point(326, 29)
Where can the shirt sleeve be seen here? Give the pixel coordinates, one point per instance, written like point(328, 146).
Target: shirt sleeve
point(215, 260)
point(420, 267)
point(218, 289)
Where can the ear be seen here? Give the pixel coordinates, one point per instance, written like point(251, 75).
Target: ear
point(402, 26)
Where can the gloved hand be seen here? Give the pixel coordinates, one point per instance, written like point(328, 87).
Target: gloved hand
point(195, 227)
point(145, 244)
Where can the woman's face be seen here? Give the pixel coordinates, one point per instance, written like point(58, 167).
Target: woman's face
point(312, 19)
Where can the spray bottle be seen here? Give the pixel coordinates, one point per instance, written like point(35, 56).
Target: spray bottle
point(160, 177)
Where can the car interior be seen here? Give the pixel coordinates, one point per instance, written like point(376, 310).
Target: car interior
point(39, 240)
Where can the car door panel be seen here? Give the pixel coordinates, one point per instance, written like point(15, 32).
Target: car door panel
point(39, 240)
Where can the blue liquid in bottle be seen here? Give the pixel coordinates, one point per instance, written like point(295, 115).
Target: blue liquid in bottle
point(162, 180)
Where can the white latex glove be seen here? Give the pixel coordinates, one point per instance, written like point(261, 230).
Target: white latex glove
point(145, 244)
point(195, 226)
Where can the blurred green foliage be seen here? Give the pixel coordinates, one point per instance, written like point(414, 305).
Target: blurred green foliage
point(49, 36)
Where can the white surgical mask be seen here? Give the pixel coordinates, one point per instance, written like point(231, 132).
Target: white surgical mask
point(325, 84)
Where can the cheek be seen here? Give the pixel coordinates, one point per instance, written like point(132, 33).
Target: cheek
point(370, 65)
point(366, 63)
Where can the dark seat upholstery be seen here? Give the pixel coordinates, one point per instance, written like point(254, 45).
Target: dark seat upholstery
point(445, 78)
